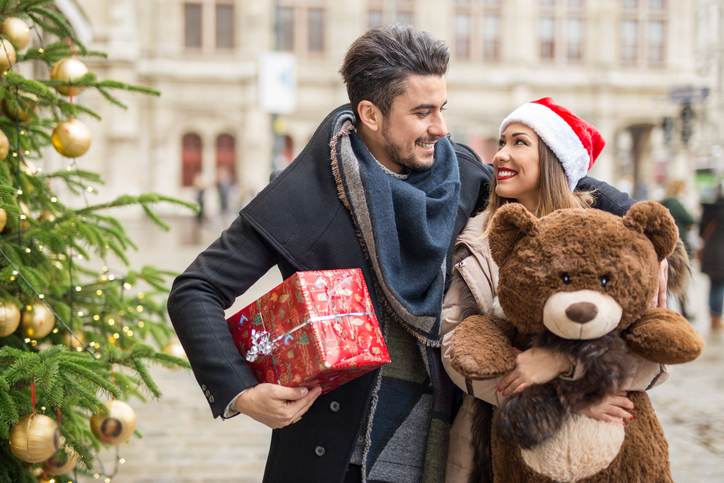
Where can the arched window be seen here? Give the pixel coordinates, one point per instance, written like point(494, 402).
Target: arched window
point(191, 148)
point(226, 157)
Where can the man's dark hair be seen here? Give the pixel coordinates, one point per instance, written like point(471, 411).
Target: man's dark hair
point(378, 63)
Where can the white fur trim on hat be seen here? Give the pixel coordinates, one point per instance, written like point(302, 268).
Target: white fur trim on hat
point(558, 135)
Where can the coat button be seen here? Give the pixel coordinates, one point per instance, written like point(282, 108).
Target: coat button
point(334, 406)
point(320, 451)
point(203, 386)
point(211, 399)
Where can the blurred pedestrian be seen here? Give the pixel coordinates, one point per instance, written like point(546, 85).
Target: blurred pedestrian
point(224, 182)
point(684, 221)
point(200, 187)
point(711, 230)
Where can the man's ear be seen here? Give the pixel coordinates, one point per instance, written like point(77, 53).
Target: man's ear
point(510, 224)
point(369, 115)
point(653, 220)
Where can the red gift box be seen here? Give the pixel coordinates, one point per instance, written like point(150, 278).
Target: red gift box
point(315, 328)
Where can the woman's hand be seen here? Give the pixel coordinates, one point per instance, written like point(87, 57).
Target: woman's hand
point(533, 366)
point(616, 408)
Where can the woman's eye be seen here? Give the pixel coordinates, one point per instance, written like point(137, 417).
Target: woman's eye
point(604, 280)
point(520, 142)
point(566, 278)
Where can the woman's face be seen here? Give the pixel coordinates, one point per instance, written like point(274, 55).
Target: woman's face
point(516, 165)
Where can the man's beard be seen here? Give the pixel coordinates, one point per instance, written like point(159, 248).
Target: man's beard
point(410, 162)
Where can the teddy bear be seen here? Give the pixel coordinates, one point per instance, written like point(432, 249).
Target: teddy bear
point(578, 281)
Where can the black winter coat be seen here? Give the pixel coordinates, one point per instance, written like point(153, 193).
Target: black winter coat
point(298, 223)
point(712, 229)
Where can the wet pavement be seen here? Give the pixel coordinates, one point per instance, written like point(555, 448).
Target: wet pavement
point(182, 443)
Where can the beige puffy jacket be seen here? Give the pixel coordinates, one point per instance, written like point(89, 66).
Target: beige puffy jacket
point(473, 291)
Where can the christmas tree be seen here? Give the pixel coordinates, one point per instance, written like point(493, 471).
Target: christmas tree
point(76, 336)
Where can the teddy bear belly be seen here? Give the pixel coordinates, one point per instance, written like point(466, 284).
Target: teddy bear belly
point(581, 448)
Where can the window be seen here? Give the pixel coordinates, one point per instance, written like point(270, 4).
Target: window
point(561, 30)
point(284, 28)
point(224, 26)
point(191, 148)
point(629, 41)
point(226, 156)
point(491, 37)
point(382, 13)
point(547, 38)
point(643, 33)
point(315, 30)
point(300, 26)
point(574, 39)
point(477, 29)
point(656, 42)
point(192, 25)
point(462, 36)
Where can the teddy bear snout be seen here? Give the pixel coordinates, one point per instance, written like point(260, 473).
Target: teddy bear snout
point(582, 312)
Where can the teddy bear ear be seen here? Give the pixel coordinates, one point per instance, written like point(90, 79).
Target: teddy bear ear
point(653, 220)
point(510, 224)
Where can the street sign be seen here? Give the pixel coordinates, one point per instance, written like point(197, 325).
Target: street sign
point(277, 82)
point(688, 93)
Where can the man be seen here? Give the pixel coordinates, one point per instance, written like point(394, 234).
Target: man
point(379, 187)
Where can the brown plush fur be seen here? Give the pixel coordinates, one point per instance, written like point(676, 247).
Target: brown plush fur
point(534, 415)
point(482, 331)
point(664, 336)
point(643, 457)
point(570, 251)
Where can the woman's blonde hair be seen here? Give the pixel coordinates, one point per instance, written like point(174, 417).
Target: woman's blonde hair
point(553, 190)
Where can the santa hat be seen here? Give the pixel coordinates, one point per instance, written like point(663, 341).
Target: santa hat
point(575, 143)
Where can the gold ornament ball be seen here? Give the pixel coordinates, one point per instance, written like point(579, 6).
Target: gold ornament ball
point(62, 462)
point(20, 109)
point(7, 55)
point(35, 438)
point(115, 427)
point(4, 146)
point(68, 70)
point(38, 321)
point(9, 318)
point(75, 341)
point(3, 219)
point(174, 348)
point(25, 211)
point(71, 138)
point(16, 31)
point(47, 215)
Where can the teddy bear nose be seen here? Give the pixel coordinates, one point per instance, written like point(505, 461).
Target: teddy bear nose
point(582, 312)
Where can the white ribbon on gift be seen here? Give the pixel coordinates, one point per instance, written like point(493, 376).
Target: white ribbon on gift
point(263, 345)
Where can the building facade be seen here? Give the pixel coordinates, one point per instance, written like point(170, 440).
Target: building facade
point(646, 72)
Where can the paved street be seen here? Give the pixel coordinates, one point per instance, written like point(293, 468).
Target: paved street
point(182, 443)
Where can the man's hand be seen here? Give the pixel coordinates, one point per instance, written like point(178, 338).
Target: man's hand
point(612, 409)
point(659, 299)
point(533, 366)
point(276, 406)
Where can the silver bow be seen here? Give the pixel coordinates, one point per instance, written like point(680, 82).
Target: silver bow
point(261, 344)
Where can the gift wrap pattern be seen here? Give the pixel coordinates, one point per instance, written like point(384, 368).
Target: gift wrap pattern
point(315, 328)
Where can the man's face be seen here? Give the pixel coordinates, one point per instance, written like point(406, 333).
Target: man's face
point(415, 123)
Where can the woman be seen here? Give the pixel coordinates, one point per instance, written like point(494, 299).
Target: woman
point(544, 150)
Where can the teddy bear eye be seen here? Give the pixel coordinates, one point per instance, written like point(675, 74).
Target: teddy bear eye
point(604, 280)
point(566, 278)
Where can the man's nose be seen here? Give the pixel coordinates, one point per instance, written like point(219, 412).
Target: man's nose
point(438, 128)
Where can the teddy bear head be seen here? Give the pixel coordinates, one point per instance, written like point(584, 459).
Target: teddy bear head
point(579, 273)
